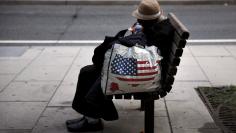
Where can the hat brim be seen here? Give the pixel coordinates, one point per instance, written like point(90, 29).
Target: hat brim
point(138, 15)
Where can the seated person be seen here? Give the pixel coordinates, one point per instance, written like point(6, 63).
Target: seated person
point(89, 99)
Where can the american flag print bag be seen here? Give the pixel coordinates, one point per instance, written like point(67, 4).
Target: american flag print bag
point(131, 69)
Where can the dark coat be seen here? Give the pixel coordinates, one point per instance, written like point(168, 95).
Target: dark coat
point(89, 99)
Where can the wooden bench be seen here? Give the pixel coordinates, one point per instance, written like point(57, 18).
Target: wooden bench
point(181, 34)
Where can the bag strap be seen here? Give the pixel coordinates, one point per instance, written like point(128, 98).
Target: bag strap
point(121, 33)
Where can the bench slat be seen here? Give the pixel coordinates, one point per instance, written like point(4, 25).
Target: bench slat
point(176, 51)
point(147, 95)
point(140, 95)
point(136, 95)
point(173, 60)
point(172, 70)
point(109, 96)
point(167, 88)
point(180, 28)
point(179, 41)
point(162, 93)
point(127, 96)
point(118, 96)
point(169, 80)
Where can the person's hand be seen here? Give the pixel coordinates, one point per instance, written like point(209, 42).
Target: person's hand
point(135, 28)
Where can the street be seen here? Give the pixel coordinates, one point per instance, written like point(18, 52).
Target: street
point(38, 81)
point(94, 22)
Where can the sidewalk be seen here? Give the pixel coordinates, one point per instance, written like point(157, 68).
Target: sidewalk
point(110, 2)
point(37, 88)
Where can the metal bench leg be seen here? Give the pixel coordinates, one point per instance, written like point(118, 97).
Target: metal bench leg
point(149, 116)
point(142, 108)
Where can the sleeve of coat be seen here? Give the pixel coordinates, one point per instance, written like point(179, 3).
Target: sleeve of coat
point(99, 52)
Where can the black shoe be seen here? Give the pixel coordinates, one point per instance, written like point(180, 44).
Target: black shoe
point(84, 126)
point(68, 122)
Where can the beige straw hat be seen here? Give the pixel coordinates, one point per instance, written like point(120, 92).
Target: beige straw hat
point(147, 10)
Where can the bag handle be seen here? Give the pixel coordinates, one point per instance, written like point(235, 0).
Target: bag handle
point(121, 33)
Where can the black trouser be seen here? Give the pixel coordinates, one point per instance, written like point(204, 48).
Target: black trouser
point(89, 99)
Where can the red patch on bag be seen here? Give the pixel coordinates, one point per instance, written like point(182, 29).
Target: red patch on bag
point(114, 86)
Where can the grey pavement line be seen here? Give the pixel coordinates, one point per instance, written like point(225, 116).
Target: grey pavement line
point(168, 116)
point(20, 101)
point(177, 100)
point(111, 2)
point(21, 71)
point(178, 80)
point(57, 88)
point(200, 66)
point(216, 44)
point(214, 56)
point(230, 53)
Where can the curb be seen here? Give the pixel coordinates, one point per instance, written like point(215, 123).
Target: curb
point(94, 44)
point(115, 2)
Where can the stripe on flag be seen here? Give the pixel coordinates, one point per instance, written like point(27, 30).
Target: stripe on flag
point(133, 71)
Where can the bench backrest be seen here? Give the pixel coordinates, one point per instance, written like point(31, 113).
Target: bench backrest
point(180, 36)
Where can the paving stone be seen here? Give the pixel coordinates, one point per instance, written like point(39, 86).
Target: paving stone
point(5, 80)
point(31, 53)
point(185, 91)
point(188, 61)
point(63, 96)
point(53, 120)
point(128, 108)
point(219, 70)
point(189, 70)
point(60, 51)
point(131, 121)
point(43, 73)
point(72, 76)
point(200, 130)
point(29, 91)
point(8, 66)
point(189, 115)
point(187, 52)
point(190, 73)
point(56, 56)
point(131, 105)
point(20, 115)
point(209, 50)
point(128, 116)
point(161, 125)
point(160, 109)
point(12, 51)
point(85, 56)
point(53, 61)
point(231, 49)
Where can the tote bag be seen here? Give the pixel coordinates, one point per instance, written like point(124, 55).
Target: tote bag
point(131, 69)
